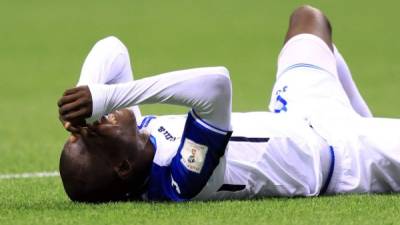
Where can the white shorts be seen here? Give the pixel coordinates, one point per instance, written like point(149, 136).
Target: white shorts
point(367, 150)
point(307, 82)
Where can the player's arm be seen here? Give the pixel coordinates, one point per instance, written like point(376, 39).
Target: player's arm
point(206, 90)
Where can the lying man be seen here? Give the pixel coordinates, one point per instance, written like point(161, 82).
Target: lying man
point(320, 137)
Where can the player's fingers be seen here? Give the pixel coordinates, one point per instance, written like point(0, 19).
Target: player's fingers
point(83, 131)
point(71, 91)
point(76, 115)
point(87, 131)
point(71, 128)
point(68, 98)
point(72, 138)
point(92, 133)
point(68, 126)
point(74, 90)
point(91, 127)
point(72, 106)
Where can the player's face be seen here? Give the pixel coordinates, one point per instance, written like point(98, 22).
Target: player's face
point(107, 143)
point(112, 135)
point(119, 123)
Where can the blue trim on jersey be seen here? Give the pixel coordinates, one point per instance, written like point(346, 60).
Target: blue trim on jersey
point(176, 182)
point(153, 141)
point(198, 118)
point(304, 65)
point(145, 122)
point(331, 168)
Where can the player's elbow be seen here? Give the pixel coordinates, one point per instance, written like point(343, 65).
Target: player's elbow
point(109, 48)
point(219, 86)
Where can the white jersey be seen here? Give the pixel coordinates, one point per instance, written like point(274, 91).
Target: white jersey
point(267, 155)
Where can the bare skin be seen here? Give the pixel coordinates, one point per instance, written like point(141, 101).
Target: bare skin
point(74, 106)
point(309, 20)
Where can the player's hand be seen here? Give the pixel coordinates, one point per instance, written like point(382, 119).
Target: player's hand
point(74, 107)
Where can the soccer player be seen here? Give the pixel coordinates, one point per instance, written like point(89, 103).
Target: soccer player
point(320, 137)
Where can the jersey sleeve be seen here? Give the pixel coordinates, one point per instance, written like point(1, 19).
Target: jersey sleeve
point(202, 145)
point(206, 90)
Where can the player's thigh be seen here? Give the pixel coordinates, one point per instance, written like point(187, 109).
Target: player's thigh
point(307, 79)
point(369, 159)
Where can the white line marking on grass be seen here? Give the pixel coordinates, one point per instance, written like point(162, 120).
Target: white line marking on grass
point(29, 175)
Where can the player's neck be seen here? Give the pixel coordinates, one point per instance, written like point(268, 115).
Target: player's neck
point(142, 162)
point(144, 143)
point(145, 154)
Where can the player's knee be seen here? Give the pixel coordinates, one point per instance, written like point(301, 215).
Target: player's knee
point(306, 10)
point(307, 13)
point(307, 19)
point(310, 18)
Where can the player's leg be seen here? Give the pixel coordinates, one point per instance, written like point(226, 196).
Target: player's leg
point(346, 79)
point(108, 63)
point(307, 80)
point(307, 83)
point(368, 156)
point(309, 20)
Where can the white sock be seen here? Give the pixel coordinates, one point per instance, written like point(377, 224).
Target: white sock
point(356, 100)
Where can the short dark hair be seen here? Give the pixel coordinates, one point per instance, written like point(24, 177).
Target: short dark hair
point(88, 177)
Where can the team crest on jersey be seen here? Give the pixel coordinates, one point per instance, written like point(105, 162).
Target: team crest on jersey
point(193, 155)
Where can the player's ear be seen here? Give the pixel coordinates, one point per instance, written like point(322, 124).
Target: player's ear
point(123, 169)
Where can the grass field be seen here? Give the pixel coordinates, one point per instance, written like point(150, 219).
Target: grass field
point(42, 46)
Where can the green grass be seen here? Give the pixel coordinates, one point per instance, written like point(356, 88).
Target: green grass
point(45, 203)
point(43, 43)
